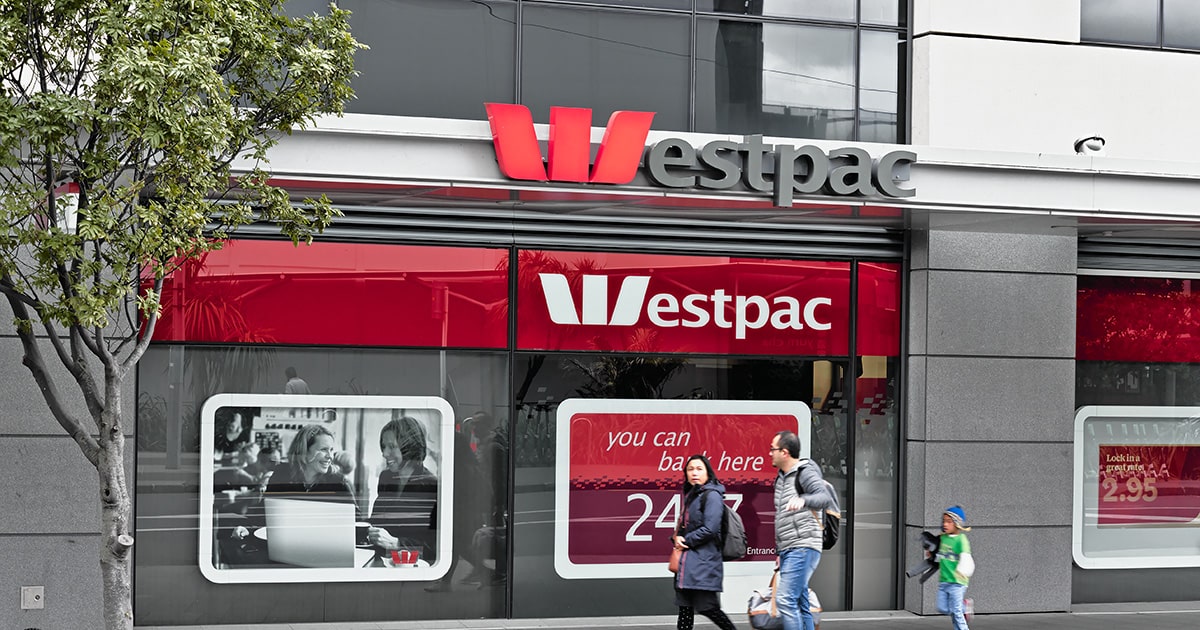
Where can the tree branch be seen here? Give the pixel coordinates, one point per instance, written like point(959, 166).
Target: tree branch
point(147, 334)
point(85, 339)
point(37, 366)
point(76, 364)
point(9, 291)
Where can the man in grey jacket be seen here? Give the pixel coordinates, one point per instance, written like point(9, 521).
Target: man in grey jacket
point(798, 521)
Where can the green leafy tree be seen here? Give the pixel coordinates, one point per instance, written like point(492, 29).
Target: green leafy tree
point(135, 137)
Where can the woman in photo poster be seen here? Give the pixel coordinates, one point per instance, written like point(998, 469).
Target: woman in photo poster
point(403, 516)
point(232, 432)
point(315, 469)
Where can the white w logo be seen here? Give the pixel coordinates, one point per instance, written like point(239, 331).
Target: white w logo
point(561, 304)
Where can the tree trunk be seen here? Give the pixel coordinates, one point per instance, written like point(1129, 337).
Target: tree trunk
point(115, 514)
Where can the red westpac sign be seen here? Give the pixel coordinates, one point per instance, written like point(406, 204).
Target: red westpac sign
point(781, 170)
point(617, 302)
point(519, 156)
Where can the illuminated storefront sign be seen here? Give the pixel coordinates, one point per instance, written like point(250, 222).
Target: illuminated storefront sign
point(667, 310)
point(783, 170)
point(640, 302)
point(619, 473)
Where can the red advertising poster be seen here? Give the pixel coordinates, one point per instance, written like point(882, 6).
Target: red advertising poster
point(620, 473)
point(1149, 484)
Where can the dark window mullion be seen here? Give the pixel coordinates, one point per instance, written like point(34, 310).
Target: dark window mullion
point(691, 122)
point(520, 38)
point(858, 70)
point(1162, 16)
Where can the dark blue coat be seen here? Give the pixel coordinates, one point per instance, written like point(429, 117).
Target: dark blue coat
point(701, 567)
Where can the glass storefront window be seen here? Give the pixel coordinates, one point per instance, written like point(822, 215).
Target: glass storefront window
point(1137, 388)
point(543, 381)
point(175, 381)
point(875, 514)
point(682, 353)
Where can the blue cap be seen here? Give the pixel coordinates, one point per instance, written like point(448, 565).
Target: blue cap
point(956, 514)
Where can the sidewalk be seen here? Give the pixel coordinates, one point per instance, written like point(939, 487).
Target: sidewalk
point(1141, 616)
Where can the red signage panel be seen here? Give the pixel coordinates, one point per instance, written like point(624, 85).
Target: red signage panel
point(879, 309)
point(339, 294)
point(661, 303)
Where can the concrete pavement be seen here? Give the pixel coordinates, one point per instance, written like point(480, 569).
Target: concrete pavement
point(1137, 616)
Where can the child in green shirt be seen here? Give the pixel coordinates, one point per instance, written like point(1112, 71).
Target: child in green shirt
point(956, 565)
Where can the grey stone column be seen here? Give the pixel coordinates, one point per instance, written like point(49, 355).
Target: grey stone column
point(990, 398)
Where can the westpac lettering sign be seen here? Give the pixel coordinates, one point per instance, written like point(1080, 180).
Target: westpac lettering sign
point(783, 170)
point(631, 302)
point(667, 310)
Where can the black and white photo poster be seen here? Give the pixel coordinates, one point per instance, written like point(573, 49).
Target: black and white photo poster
point(307, 488)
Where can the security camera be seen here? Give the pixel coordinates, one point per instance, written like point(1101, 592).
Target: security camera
point(1092, 145)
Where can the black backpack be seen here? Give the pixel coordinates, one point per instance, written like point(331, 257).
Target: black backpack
point(733, 533)
point(831, 521)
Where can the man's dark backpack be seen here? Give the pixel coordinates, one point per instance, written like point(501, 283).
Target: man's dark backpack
point(831, 524)
point(733, 533)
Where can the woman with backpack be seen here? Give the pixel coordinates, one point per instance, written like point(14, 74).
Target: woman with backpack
point(701, 573)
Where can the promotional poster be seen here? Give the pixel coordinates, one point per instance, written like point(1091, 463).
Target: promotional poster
point(1137, 487)
point(619, 476)
point(306, 488)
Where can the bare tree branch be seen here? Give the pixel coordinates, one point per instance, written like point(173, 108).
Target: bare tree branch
point(147, 334)
point(76, 363)
point(37, 366)
point(9, 291)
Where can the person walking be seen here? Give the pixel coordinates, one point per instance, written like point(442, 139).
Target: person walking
point(701, 575)
point(955, 565)
point(295, 384)
point(798, 525)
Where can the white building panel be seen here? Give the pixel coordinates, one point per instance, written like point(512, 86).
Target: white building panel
point(1040, 98)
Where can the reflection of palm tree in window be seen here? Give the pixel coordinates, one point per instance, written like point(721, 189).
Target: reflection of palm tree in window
point(533, 443)
point(530, 264)
point(628, 376)
point(208, 308)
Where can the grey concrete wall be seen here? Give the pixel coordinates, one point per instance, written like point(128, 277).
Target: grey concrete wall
point(49, 527)
point(990, 395)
